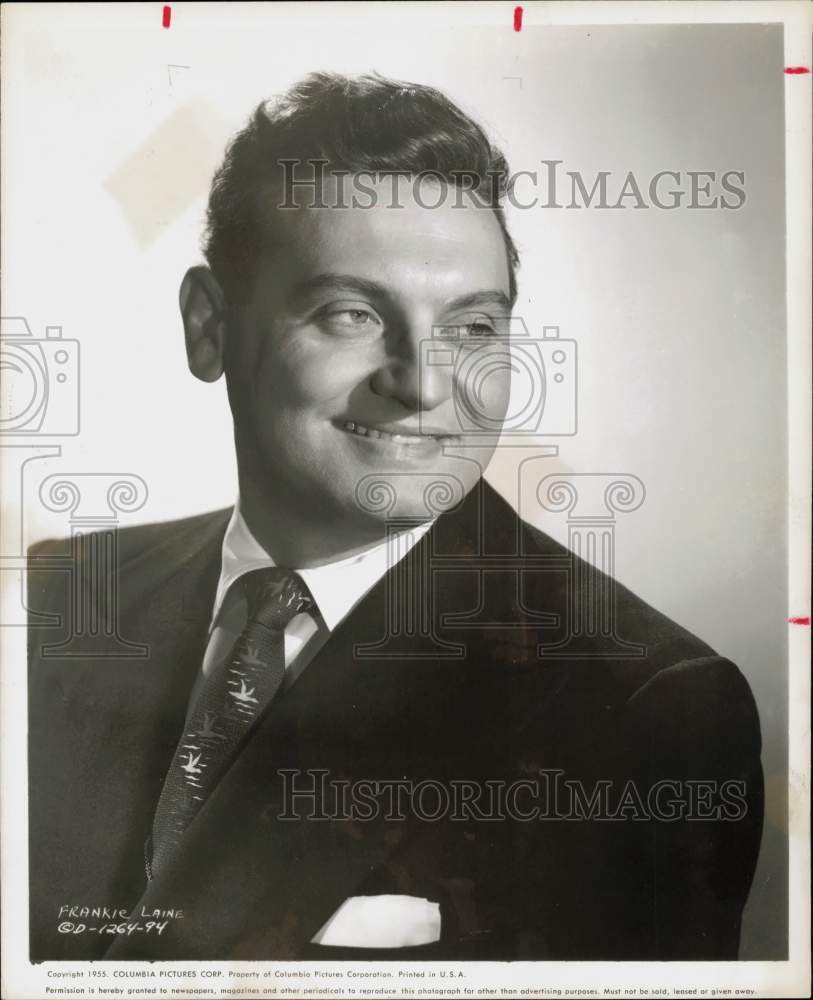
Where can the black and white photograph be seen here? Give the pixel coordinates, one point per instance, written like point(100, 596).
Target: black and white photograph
point(406, 521)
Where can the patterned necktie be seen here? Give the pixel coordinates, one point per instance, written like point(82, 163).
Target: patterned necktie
point(231, 701)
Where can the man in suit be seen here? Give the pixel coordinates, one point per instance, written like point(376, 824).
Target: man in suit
point(236, 787)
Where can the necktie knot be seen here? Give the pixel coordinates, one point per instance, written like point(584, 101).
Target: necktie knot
point(275, 596)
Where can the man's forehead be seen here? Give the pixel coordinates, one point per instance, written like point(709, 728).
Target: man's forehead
point(457, 242)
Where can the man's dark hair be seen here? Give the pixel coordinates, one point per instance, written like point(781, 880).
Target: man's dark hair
point(366, 124)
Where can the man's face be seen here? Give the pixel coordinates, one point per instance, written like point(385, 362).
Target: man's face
point(325, 376)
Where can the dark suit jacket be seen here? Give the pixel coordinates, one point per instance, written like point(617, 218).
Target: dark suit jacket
point(663, 707)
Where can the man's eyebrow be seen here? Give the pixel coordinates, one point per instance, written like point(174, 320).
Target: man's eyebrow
point(331, 282)
point(340, 283)
point(493, 297)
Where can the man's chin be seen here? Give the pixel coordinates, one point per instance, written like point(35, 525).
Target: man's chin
point(417, 494)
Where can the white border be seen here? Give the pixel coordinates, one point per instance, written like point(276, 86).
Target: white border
point(765, 979)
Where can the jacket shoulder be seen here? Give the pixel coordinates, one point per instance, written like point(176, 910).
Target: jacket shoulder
point(677, 682)
point(138, 540)
point(705, 703)
point(634, 620)
point(136, 560)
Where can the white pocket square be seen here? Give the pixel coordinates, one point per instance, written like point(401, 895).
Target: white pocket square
point(381, 922)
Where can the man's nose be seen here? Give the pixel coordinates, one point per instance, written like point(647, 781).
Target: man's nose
point(407, 377)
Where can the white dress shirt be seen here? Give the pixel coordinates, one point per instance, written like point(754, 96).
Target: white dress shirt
point(336, 587)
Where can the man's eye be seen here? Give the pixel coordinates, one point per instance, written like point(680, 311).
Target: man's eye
point(482, 329)
point(356, 316)
point(473, 325)
point(350, 318)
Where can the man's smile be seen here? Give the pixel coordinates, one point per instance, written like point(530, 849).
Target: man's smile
point(389, 434)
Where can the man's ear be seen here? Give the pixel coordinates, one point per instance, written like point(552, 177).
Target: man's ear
point(203, 308)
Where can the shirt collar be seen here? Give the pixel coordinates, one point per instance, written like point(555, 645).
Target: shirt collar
point(336, 587)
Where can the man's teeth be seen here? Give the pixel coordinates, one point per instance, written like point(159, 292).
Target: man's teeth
point(360, 429)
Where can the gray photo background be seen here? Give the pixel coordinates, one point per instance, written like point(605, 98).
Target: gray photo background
point(679, 315)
